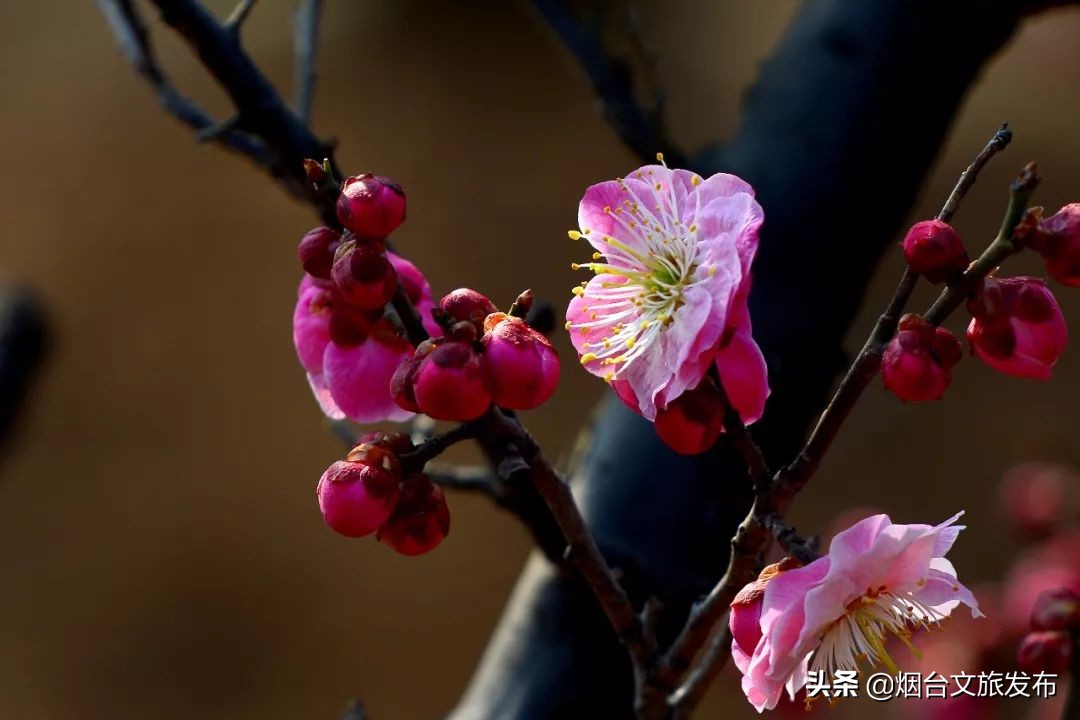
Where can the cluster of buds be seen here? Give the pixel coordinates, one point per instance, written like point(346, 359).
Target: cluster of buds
point(1016, 327)
point(483, 357)
point(368, 492)
point(1055, 632)
point(345, 341)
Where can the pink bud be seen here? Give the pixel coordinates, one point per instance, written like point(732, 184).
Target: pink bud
point(401, 384)
point(933, 249)
point(1017, 327)
point(371, 206)
point(521, 364)
point(364, 276)
point(357, 496)
point(1057, 609)
point(449, 384)
point(917, 363)
point(744, 620)
point(1046, 652)
point(692, 422)
point(316, 251)
point(1058, 241)
point(465, 305)
point(421, 519)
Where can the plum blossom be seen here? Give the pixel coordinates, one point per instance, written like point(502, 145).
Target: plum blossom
point(350, 370)
point(878, 580)
point(669, 296)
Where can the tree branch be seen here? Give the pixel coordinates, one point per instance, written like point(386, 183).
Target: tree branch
point(134, 41)
point(641, 128)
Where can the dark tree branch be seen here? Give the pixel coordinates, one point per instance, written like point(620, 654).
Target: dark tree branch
point(134, 40)
point(236, 19)
point(612, 78)
point(306, 49)
point(266, 130)
point(23, 346)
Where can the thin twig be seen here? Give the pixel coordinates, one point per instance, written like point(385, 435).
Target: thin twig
point(239, 15)
point(433, 447)
point(715, 655)
point(612, 81)
point(305, 49)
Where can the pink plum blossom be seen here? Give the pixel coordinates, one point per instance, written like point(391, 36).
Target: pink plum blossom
point(669, 295)
point(878, 580)
point(352, 379)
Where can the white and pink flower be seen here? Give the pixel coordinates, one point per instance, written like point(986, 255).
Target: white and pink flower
point(879, 580)
point(669, 297)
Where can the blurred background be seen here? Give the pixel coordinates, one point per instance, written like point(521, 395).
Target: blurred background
point(161, 549)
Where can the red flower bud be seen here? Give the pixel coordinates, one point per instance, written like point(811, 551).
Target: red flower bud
point(371, 206)
point(692, 422)
point(1046, 652)
point(364, 277)
point(1058, 241)
point(1057, 609)
point(401, 384)
point(1017, 327)
point(917, 363)
point(744, 621)
point(449, 384)
point(421, 519)
point(316, 251)
point(521, 364)
point(933, 249)
point(357, 495)
point(465, 305)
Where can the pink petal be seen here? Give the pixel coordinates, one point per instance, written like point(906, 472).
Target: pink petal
point(745, 376)
point(358, 377)
point(311, 328)
point(322, 396)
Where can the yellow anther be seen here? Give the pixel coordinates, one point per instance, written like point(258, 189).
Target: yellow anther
point(573, 234)
point(630, 343)
point(607, 209)
point(693, 228)
point(592, 316)
point(660, 156)
point(578, 290)
point(712, 271)
point(658, 186)
point(588, 358)
point(597, 256)
point(575, 266)
point(567, 325)
point(585, 231)
point(607, 344)
point(696, 180)
point(609, 377)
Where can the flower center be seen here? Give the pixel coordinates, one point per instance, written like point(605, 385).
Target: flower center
point(860, 634)
point(646, 270)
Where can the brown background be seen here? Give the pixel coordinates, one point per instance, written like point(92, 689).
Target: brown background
point(160, 548)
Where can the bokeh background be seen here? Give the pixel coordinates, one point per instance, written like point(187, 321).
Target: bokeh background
point(160, 547)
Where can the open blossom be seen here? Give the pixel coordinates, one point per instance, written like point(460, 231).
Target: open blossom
point(878, 580)
point(669, 298)
point(350, 371)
